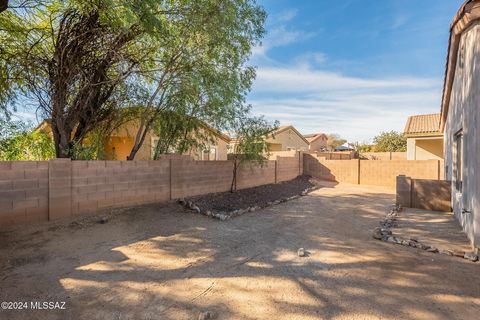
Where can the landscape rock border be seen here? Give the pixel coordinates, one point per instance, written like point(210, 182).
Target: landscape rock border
point(223, 216)
point(384, 233)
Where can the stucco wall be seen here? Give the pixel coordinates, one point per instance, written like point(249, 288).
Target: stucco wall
point(464, 114)
point(288, 139)
point(318, 144)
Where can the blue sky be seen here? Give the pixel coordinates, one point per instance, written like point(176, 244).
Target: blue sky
point(352, 67)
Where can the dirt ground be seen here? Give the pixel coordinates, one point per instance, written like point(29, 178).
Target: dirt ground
point(160, 262)
point(257, 196)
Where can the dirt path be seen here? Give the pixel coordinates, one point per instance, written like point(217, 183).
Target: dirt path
point(158, 262)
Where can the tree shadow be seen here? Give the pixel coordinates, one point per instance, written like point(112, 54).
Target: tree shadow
point(158, 262)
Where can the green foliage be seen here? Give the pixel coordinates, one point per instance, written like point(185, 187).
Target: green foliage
point(81, 60)
point(18, 142)
point(249, 133)
point(390, 142)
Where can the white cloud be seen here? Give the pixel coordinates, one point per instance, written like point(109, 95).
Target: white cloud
point(357, 108)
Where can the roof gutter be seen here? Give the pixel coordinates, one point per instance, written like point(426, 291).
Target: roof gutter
point(468, 14)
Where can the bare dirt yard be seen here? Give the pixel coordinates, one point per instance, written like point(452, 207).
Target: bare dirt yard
point(161, 262)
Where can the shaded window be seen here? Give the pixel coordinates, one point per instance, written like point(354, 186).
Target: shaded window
point(459, 161)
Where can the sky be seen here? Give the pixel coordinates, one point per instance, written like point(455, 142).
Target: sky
point(351, 67)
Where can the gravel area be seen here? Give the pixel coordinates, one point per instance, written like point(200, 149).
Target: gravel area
point(259, 196)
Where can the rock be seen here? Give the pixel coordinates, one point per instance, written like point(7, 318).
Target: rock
point(301, 252)
point(196, 209)
point(446, 252)
point(377, 233)
point(251, 209)
point(471, 256)
point(189, 204)
point(223, 217)
point(392, 240)
point(459, 254)
point(208, 213)
point(386, 231)
point(206, 315)
point(103, 220)
point(431, 249)
point(182, 202)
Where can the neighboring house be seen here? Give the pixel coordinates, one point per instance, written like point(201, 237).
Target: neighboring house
point(424, 138)
point(119, 144)
point(317, 142)
point(287, 138)
point(460, 118)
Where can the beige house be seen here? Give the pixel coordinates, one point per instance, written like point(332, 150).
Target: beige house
point(460, 118)
point(119, 144)
point(287, 138)
point(424, 138)
point(317, 142)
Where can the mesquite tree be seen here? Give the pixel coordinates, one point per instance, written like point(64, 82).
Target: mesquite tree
point(79, 61)
point(203, 73)
point(249, 144)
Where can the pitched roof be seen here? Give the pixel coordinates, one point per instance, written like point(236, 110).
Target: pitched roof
point(284, 128)
point(423, 124)
point(314, 136)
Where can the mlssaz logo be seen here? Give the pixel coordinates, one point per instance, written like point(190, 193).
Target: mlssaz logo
point(47, 305)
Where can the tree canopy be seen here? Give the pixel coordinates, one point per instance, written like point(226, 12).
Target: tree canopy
point(391, 141)
point(81, 61)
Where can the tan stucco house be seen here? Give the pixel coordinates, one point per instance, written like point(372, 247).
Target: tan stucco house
point(317, 142)
point(119, 144)
point(460, 118)
point(287, 138)
point(424, 138)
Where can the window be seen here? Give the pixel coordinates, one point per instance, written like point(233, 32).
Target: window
point(458, 161)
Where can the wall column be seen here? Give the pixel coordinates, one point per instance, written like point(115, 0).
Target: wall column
point(59, 188)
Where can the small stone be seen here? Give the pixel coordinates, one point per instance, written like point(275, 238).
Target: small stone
point(196, 209)
point(208, 213)
point(206, 315)
point(251, 209)
point(190, 204)
point(431, 249)
point(103, 220)
point(301, 252)
point(446, 252)
point(182, 202)
point(391, 239)
point(471, 256)
point(377, 233)
point(459, 254)
point(386, 231)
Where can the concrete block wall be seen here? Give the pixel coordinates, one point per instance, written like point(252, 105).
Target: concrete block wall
point(385, 155)
point(191, 178)
point(424, 193)
point(369, 172)
point(384, 173)
point(23, 191)
point(288, 168)
point(252, 175)
point(102, 184)
point(60, 188)
point(331, 170)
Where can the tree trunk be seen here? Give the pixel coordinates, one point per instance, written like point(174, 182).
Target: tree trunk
point(3, 5)
point(140, 138)
point(233, 187)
